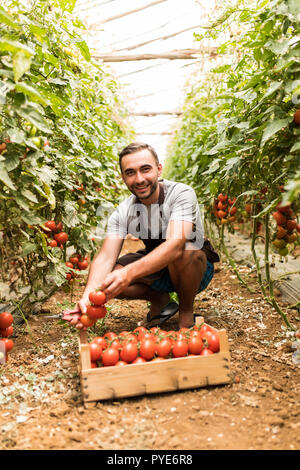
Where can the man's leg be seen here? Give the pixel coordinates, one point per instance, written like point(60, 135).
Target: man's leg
point(141, 291)
point(186, 274)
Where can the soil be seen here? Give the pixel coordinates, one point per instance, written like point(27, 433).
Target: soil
point(40, 398)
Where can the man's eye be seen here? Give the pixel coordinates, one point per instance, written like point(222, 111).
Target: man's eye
point(146, 169)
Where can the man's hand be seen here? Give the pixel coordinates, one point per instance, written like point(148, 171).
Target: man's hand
point(115, 283)
point(73, 315)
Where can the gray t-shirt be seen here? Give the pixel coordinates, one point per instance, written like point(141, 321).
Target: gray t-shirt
point(151, 221)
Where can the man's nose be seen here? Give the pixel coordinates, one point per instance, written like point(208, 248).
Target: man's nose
point(139, 177)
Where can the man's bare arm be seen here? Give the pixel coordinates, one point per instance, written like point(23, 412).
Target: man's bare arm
point(102, 264)
point(177, 234)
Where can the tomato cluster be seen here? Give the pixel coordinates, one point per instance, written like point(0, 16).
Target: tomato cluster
point(154, 344)
point(6, 330)
point(224, 209)
point(76, 262)
point(286, 229)
point(95, 310)
point(56, 237)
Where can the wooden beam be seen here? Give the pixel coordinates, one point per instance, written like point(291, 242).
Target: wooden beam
point(161, 38)
point(126, 13)
point(171, 55)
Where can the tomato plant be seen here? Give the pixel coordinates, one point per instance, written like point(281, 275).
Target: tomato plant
point(60, 133)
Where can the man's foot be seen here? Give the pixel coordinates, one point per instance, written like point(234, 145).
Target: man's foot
point(186, 319)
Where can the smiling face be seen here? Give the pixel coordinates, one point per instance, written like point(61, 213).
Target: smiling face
point(140, 173)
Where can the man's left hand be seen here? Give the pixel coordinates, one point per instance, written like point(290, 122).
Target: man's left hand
point(115, 283)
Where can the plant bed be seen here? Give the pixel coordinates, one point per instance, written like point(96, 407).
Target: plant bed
point(168, 375)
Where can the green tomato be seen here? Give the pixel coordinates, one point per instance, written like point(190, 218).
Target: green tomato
point(37, 141)
point(33, 131)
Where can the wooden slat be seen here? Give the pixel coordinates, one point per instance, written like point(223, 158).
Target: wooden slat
point(168, 375)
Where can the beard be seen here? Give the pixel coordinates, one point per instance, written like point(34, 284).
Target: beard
point(152, 187)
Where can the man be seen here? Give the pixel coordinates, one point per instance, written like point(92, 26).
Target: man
point(165, 215)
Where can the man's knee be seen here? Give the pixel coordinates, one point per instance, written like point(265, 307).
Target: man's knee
point(190, 257)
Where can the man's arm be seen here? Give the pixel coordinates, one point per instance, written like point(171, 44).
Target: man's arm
point(177, 234)
point(102, 264)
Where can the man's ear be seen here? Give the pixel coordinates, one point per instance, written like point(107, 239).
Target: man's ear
point(160, 168)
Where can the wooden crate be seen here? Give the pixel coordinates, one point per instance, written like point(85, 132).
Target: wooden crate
point(105, 383)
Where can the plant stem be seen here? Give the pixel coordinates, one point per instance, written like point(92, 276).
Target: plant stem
point(268, 275)
point(232, 262)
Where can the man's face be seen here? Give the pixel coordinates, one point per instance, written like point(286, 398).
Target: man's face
point(140, 173)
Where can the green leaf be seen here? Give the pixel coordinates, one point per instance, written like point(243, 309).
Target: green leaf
point(7, 19)
point(28, 248)
point(12, 161)
point(33, 93)
point(294, 8)
point(295, 147)
point(29, 195)
point(273, 127)
point(84, 49)
point(16, 135)
point(35, 118)
point(50, 195)
point(20, 200)
point(31, 219)
point(7, 45)
point(21, 64)
point(4, 177)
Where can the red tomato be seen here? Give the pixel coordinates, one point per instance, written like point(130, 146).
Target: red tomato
point(96, 312)
point(164, 347)
point(100, 340)
point(6, 319)
point(93, 365)
point(204, 328)
point(180, 348)
point(82, 265)
point(212, 341)
point(124, 334)
point(86, 321)
point(6, 332)
point(110, 356)
point(59, 227)
point(139, 331)
point(97, 297)
point(154, 329)
point(129, 352)
point(51, 225)
point(110, 335)
point(184, 330)
point(115, 343)
point(52, 244)
point(121, 363)
point(206, 352)
point(74, 259)
point(61, 237)
point(156, 359)
point(147, 348)
point(138, 360)
point(195, 345)
point(8, 344)
point(96, 351)
point(130, 338)
point(69, 265)
point(149, 335)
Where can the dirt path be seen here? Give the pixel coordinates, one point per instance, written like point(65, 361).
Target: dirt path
point(40, 401)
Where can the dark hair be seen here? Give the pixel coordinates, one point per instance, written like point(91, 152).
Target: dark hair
point(136, 147)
